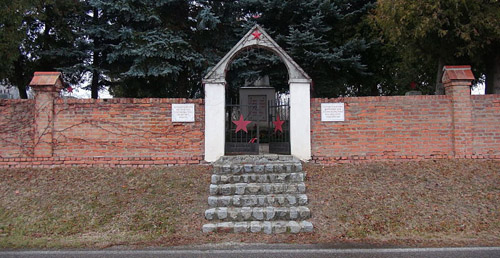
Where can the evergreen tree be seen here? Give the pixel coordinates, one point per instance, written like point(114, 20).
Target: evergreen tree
point(143, 48)
point(29, 30)
point(93, 30)
point(11, 18)
point(321, 37)
point(153, 51)
point(166, 47)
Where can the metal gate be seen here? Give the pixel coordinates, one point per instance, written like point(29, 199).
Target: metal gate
point(242, 134)
point(248, 126)
point(279, 126)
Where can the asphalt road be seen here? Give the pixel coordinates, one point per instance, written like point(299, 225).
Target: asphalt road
point(269, 251)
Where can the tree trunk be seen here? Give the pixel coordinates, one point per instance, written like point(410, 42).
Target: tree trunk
point(94, 87)
point(22, 76)
point(374, 91)
point(194, 90)
point(22, 91)
point(492, 84)
point(439, 76)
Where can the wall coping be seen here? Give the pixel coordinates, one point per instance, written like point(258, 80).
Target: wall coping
point(129, 101)
point(453, 73)
point(487, 96)
point(15, 101)
point(380, 98)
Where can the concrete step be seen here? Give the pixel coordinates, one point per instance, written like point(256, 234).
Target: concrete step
point(238, 169)
point(258, 193)
point(257, 213)
point(259, 178)
point(268, 227)
point(257, 188)
point(256, 159)
point(258, 200)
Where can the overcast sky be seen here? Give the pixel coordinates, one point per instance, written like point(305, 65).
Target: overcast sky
point(104, 94)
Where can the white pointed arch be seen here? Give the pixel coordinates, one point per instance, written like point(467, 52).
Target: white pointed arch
point(300, 104)
point(218, 73)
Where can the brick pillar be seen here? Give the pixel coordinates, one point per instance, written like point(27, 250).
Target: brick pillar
point(47, 86)
point(457, 81)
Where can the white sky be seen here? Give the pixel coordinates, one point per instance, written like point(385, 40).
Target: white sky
point(478, 90)
point(80, 93)
point(104, 93)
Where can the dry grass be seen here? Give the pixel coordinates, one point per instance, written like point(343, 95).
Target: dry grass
point(452, 202)
point(82, 207)
point(425, 203)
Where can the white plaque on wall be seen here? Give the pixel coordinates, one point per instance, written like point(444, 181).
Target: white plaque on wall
point(332, 112)
point(182, 112)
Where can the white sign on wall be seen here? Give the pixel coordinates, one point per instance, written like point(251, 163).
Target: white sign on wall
point(332, 112)
point(182, 112)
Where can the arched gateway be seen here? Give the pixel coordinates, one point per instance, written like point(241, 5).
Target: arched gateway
point(215, 90)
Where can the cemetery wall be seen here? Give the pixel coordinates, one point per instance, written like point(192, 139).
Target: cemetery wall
point(118, 132)
point(16, 128)
point(404, 127)
point(140, 132)
point(486, 124)
point(407, 127)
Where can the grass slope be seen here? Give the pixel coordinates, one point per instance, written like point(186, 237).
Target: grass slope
point(425, 203)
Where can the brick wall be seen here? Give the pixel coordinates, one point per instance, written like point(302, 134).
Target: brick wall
point(125, 128)
point(113, 132)
point(486, 124)
point(383, 128)
point(16, 128)
point(50, 131)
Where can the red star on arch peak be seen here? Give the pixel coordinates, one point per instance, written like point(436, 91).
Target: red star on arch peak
point(278, 124)
point(256, 34)
point(241, 124)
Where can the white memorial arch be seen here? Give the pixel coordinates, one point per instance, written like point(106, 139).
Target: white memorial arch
point(215, 90)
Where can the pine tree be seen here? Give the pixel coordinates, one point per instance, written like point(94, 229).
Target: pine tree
point(162, 50)
point(30, 30)
point(93, 36)
point(321, 37)
point(11, 17)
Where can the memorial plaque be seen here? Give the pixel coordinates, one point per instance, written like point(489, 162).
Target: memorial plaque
point(332, 112)
point(182, 112)
point(257, 105)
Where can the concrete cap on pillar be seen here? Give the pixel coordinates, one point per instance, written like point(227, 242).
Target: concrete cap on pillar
point(47, 81)
point(457, 73)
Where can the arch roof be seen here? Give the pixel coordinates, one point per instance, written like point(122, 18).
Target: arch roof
point(256, 37)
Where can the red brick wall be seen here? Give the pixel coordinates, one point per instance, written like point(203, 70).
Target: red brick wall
point(126, 128)
point(16, 128)
point(140, 132)
point(486, 124)
point(114, 132)
point(384, 128)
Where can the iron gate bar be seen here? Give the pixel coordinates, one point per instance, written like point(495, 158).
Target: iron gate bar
point(240, 143)
point(279, 142)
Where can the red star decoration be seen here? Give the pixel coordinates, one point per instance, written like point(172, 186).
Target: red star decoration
point(256, 34)
point(278, 125)
point(241, 124)
point(69, 89)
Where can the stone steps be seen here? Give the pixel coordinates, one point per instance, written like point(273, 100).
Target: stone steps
point(238, 169)
point(258, 213)
point(257, 188)
point(258, 194)
point(268, 227)
point(258, 200)
point(259, 178)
